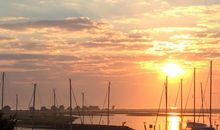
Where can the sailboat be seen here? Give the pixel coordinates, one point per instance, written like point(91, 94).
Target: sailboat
point(84, 126)
point(201, 126)
point(42, 119)
point(6, 123)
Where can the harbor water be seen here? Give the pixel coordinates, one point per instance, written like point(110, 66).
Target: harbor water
point(142, 122)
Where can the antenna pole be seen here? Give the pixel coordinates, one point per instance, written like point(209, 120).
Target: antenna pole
point(108, 120)
point(210, 94)
point(166, 94)
point(70, 104)
point(3, 85)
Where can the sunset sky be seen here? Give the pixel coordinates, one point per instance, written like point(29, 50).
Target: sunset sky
point(92, 42)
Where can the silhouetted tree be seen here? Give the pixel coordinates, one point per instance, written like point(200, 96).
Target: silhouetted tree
point(53, 108)
point(43, 108)
point(61, 108)
point(7, 124)
point(31, 108)
point(7, 108)
point(77, 107)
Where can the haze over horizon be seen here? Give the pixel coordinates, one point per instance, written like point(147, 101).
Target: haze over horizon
point(127, 42)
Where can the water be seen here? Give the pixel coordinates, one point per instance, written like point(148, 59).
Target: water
point(137, 122)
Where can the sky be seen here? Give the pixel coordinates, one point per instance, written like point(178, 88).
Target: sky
point(92, 42)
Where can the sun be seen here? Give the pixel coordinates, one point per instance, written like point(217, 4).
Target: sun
point(172, 69)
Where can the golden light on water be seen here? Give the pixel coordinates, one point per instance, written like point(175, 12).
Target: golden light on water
point(174, 122)
point(172, 69)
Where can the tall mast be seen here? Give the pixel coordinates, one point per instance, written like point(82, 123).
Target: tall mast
point(54, 97)
point(194, 99)
point(108, 120)
point(83, 107)
point(203, 120)
point(54, 107)
point(181, 95)
point(70, 104)
point(3, 85)
point(16, 103)
point(33, 111)
point(166, 94)
point(210, 95)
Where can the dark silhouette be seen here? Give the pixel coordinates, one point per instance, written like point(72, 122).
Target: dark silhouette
point(7, 124)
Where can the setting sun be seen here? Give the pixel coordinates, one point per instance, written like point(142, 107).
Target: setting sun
point(172, 69)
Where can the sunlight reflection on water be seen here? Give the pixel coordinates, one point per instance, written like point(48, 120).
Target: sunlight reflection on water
point(137, 122)
point(174, 122)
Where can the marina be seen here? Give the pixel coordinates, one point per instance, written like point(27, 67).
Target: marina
point(109, 64)
point(78, 118)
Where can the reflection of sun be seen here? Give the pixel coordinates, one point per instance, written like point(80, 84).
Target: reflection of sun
point(174, 122)
point(172, 69)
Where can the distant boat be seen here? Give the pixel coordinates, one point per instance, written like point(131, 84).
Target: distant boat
point(198, 126)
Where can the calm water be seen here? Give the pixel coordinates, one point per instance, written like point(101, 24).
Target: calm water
point(137, 122)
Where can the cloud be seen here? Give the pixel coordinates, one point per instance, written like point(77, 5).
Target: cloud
point(6, 39)
point(75, 36)
point(190, 2)
point(70, 24)
point(12, 19)
point(37, 57)
point(37, 63)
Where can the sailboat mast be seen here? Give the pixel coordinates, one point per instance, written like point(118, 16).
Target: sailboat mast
point(70, 104)
point(34, 98)
point(54, 107)
point(166, 94)
point(210, 95)
point(3, 85)
point(16, 103)
point(54, 97)
point(203, 116)
point(33, 107)
point(181, 95)
point(83, 94)
point(108, 120)
point(194, 99)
